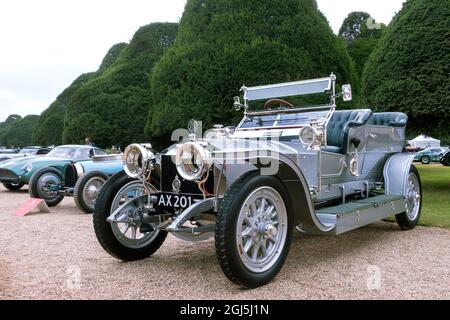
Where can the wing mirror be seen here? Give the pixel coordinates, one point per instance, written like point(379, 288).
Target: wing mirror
point(347, 93)
point(237, 103)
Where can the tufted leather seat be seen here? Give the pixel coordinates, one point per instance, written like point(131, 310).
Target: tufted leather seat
point(390, 119)
point(339, 126)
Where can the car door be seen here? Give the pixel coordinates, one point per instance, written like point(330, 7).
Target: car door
point(434, 154)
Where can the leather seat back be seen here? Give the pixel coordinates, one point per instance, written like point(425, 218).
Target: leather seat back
point(340, 124)
point(389, 119)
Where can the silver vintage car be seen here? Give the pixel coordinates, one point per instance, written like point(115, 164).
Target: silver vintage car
point(287, 165)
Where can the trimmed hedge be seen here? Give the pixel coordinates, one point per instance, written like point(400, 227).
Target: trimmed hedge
point(223, 44)
point(409, 71)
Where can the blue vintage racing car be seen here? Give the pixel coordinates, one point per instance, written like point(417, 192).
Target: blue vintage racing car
point(82, 180)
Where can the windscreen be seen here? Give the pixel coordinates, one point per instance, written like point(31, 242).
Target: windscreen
point(62, 153)
point(282, 120)
point(28, 151)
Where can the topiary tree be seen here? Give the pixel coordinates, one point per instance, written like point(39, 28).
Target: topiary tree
point(409, 71)
point(19, 133)
point(361, 35)
point(4, 126)
point(112, 108)
point(223, 44)
point(50, 126)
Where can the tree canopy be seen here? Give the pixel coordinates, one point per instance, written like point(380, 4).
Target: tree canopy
point(361, 34)
point(4, 126)
point(409, 70)
point(49, 129)
point(111, 108)
point(223, 44)
point(19, 132)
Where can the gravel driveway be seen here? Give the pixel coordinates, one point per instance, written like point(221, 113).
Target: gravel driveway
point(56, 256)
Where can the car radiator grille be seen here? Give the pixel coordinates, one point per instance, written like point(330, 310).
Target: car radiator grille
point(7, 175)
point(70, 176)
point(169, 172)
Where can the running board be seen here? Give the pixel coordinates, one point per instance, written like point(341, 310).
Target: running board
point(353, 215)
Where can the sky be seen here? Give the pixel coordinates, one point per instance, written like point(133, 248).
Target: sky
point(47, 44)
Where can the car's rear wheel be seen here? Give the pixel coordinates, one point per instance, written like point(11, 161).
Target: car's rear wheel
point(254, 230)
point(13, 186)
point(410, 218)
point(44, 184)
point(87, 190)
point(124, 240)
point(425, 160)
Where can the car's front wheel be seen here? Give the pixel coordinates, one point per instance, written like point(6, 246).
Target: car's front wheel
point(254, 230)
point(13, 186)
point(425, 160)
point(44, 184)
point(87, 190)
point(125, 240)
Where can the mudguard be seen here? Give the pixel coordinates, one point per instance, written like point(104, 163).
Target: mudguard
point(396, 171)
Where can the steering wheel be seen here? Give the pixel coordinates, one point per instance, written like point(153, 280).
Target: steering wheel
point(280, 102)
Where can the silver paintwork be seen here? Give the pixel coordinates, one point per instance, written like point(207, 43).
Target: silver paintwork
point(107, 157)
point(396, 172)
point(360, 218)
point(312, 175)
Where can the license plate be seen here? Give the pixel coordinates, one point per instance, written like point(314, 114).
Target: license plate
point(175, 201)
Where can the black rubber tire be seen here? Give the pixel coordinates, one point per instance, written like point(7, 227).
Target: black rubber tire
point(33, 189)
point(13, 186)
point(425, 160)
point(103, 230)
point(79, 188)
point(402, 219)
point(446, 159)
point(225, 237)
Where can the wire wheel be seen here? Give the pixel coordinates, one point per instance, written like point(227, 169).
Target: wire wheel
point(413, 197)
point(127, 231)
point(44, 184)
point(262, 229)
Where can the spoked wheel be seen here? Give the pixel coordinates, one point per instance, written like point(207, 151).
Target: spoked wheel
point(44, 184)
point(128, 230)
point(254, 230)
point(87, 190)
point(125, 240)
point(409, 219)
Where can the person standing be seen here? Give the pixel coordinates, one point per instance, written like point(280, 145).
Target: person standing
point(88, 142)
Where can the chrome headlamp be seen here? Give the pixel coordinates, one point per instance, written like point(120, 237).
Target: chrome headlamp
point(137, 160)
point(192, 161)
point(311, 136)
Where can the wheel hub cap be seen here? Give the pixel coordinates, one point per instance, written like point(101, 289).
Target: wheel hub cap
point(92, 189)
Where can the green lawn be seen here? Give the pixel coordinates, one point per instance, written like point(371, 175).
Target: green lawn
point(436, 195)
